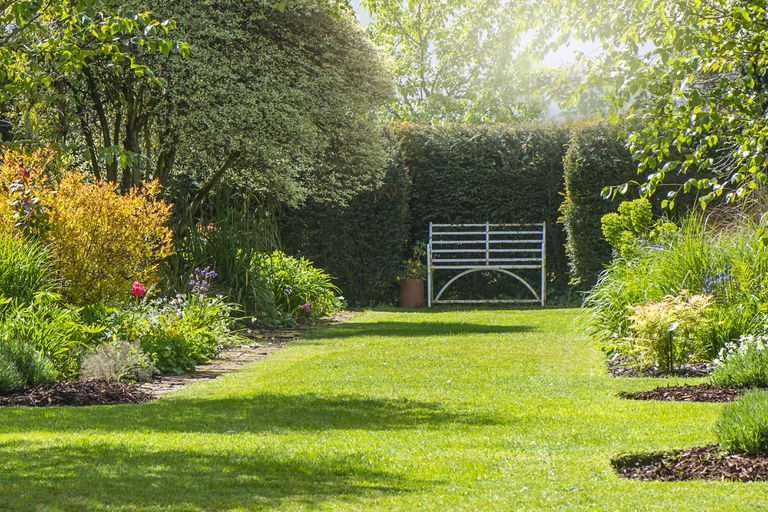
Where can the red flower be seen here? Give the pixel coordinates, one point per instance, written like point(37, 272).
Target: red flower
point(138, 289)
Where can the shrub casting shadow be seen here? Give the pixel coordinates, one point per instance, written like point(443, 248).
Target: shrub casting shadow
point(260, 413)
point(420, 329)
point(84, 476)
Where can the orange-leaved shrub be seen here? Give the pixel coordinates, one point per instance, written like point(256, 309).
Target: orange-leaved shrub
point(26, 184)
point(104, 240)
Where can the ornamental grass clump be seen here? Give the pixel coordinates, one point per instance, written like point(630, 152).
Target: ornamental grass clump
point(728, 264)
point(743, 425)
point(26, 268)
point(297, 287)
point(743, 364)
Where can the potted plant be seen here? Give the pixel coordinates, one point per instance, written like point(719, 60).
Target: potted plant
point(412, 278)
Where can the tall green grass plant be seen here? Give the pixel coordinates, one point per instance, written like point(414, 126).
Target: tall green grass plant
point(25, 269)
point(225, 239)
point(729, 264)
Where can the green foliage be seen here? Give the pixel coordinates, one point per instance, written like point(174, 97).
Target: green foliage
point(686, 74)
point(277, 97)
point(463, 174)
point(360, 244)
point(667, 333)
point(25, 269)
point(415, 267)
point(456, 60)
point(629, 227)
point(297, 287)
point(52, 329)
point(225, 238)
point(176, 333)
point(633, 228)
point(743, 426)
point(728, 264)
point(743, 364)
point(78, 74)
point(40, 342)
point(596, 157)
point(278, 102)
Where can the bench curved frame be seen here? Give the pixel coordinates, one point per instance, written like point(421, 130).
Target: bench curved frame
point(470, 248)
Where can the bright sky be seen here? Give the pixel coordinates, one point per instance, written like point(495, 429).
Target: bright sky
point(362, 14)
point(565, 55)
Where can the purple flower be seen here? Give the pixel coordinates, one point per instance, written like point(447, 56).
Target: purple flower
point(658, 247)
point(306, 307)
point(201, 280)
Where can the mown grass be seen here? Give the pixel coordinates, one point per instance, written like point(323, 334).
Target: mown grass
point(475, 410)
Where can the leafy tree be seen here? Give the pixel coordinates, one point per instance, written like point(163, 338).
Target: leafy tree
point(277, 99)
point(81, 61)
point(691, 77)
point(277, 102)
point(456, 60)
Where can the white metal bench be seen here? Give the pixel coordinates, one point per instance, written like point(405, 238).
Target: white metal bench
point(504, 248)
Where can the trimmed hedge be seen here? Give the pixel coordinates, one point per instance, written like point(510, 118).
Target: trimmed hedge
point(596, 158)
point(477, 174)
point(468, 174)
point(360, 244)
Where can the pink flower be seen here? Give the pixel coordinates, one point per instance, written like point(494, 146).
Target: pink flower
point(306, 307)
point(138, 290)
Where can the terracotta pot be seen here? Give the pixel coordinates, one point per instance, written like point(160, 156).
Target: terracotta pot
point(412, 293)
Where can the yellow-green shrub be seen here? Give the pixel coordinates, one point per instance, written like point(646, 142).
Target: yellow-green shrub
point(632, 228)
point(104, 240)
point(667, 333)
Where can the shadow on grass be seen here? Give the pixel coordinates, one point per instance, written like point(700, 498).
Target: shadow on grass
point(259, 413)
point(420, 329)
point(472, 308)
point(86, 475)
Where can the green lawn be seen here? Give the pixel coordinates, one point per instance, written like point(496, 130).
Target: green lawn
point(476, 410)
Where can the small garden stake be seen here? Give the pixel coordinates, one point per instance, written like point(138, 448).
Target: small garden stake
point(670, 360)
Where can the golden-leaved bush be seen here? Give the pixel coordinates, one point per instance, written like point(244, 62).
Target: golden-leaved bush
point(26, 184)
point(104, 240)
point(667, 333)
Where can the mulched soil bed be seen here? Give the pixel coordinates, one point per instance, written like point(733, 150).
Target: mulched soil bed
point(92, 392)
point(620, 367)
point(686, 393)
point(700, 463)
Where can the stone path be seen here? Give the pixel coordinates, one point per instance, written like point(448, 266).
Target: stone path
point(263, 343)
point(229, 360)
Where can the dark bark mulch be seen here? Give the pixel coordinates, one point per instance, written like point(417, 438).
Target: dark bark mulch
point(700, 463)
point(620, 367)
point(686, 393)
point(92, 392)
